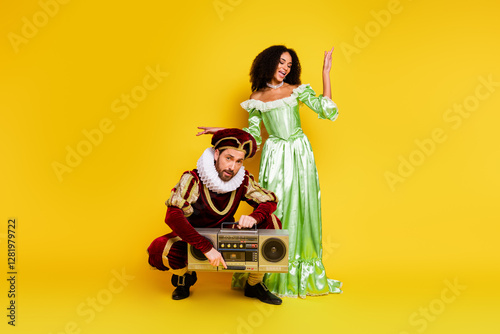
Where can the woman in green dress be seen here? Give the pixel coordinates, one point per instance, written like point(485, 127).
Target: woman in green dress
point(287, 165)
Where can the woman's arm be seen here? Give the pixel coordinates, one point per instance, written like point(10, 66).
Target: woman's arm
point(327, 65)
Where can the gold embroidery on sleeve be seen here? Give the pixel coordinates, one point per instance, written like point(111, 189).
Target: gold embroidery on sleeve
point(177, 195)
point(259, 194)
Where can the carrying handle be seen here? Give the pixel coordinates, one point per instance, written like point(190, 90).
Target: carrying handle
point(252, 229)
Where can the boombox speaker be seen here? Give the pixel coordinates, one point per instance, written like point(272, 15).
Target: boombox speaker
point(243, 250)
point(273, 251)
point(196, 259)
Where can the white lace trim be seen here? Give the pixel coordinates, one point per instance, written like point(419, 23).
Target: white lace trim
point(210, 177)
point(266, 106)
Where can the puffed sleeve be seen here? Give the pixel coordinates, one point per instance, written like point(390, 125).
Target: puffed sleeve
point(254, 120)
point(184, 194)
point(322, 105)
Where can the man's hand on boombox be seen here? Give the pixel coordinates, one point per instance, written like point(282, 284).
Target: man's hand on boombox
point(215, 258)
point(246, 222)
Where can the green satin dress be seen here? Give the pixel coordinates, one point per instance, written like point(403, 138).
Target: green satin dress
point(288, 169)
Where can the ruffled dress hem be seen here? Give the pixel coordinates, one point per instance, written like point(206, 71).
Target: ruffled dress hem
point(303, 270)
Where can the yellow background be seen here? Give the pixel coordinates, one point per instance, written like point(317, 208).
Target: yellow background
point(398, 68)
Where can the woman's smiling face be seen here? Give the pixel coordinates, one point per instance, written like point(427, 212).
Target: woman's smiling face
point(283, 68)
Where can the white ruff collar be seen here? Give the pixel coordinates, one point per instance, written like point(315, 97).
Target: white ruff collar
point(210, 177)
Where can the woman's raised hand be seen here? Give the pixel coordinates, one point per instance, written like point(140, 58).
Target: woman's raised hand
point(327, 62)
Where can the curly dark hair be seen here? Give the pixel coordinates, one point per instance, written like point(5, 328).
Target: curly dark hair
point(265, 64)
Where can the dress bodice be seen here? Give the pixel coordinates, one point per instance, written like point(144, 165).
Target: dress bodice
point(282, 118)
point(283, 121)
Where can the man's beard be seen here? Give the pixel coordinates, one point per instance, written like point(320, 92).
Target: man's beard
point(222, 176)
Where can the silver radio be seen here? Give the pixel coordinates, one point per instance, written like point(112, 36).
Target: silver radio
point(243, 250)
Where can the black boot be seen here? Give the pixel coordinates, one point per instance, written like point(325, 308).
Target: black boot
point(261, 292)
point(182, 284)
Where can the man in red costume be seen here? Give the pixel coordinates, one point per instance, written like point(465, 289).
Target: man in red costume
point(207, 197)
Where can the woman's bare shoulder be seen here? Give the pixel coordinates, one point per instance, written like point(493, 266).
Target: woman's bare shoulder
point(256, 95)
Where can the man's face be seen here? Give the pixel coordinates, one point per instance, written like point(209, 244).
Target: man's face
point(228, 163)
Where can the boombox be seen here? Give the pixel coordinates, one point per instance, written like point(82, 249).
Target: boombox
point(243, 250)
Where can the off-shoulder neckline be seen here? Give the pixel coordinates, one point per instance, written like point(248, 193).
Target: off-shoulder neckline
point(265, 106)
point(302, 87)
